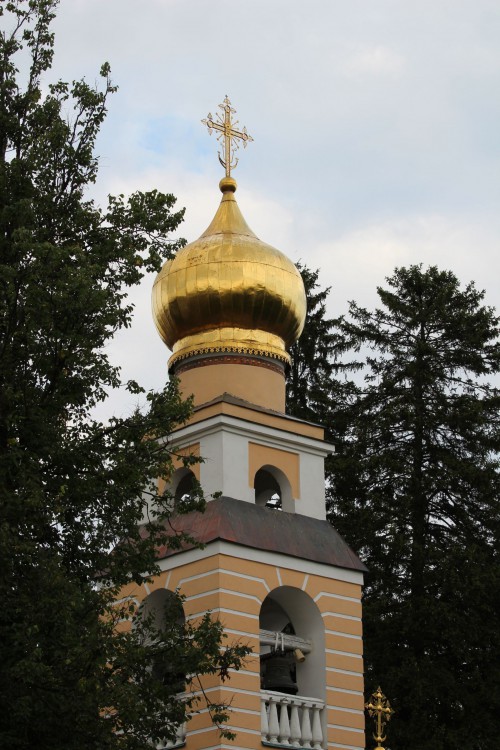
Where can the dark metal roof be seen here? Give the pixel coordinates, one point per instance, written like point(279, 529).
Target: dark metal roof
point(249, 525)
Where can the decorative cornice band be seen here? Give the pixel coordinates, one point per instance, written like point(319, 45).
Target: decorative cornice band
point(244, 350)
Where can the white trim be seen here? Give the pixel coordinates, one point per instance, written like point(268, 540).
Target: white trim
point(340, 596)
point(239, 613)
point(192, 732)
point(356, 711)
point(239, 730)
point(222, 591)
point(341, 616)
point(305, 582)
point(342, 653)
point(347, 729)
point(245, 672)
point(240, 692)
point(129, 598)
point(345, 690)
point(271, 559)
point(198, 576)
point(344, 635)
point(242, 633)
point(204, 612)
point(345, 671)
point(223, 570)
point(271, 436)
point(230, 708)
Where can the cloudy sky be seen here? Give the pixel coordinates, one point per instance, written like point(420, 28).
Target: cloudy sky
point(376, 127)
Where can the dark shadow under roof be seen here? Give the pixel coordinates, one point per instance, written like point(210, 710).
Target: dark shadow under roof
point(248, 525)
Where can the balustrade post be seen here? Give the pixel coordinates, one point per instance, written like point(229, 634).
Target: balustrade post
point(306, 726)
point(274, 726)
point(284, 722)
point(317, 729)
point(264, 721)
point(295, 725)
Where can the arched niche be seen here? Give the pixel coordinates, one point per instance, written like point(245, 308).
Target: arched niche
point(292, 612)
point(272, 489)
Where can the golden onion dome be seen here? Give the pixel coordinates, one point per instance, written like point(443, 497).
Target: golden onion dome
point(229, 292)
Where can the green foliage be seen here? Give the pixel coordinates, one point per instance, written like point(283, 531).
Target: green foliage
point(415, 489)
point(313, 392)
point(72, 489)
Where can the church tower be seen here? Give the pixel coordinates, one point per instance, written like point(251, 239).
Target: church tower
point(272, 568)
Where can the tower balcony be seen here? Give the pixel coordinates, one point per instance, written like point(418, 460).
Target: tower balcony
point(179, 741)
point(291, 720)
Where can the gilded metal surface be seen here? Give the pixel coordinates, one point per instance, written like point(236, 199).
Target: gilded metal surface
point(230, 340)
point(228, 136)
point(379, 709)
point(229, 292)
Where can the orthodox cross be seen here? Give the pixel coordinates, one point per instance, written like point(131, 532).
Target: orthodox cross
point(380, 710)
point(228, 136)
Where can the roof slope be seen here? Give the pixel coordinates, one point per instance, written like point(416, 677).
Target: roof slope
point(248, 525)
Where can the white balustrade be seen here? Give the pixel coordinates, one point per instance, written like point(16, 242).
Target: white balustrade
point(291, 720)
point(180, 739)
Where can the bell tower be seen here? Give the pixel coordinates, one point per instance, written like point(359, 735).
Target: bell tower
point(272, 569)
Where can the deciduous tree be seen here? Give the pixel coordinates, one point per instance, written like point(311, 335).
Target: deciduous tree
point(70, 486)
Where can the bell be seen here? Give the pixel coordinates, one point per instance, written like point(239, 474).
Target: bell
point(278, 674)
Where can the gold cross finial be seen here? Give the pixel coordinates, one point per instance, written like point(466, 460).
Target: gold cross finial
point(380, 710)
point(228, 136)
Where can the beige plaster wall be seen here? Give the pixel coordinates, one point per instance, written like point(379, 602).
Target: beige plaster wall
point(258, 385)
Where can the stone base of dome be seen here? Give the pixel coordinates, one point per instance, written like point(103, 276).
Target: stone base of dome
point(258, 380)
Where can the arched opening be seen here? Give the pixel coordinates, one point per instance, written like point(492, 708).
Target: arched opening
point(185, 486)
point(272, 489)
point(181, 487)
point(292, 629)
point(161, 621)
point(267, 490)
point(293, 669)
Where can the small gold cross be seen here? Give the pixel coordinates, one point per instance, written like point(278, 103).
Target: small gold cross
point(228, 136)
point(380, 710)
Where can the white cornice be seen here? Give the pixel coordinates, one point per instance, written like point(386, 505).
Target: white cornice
point(271, 436)
point(251, 554)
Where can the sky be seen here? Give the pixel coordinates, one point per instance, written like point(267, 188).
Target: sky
point(376, 127)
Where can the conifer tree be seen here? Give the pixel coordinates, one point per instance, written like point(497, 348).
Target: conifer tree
point(311, 368)
point(315, 387)
point(71, 487)
point(415, 489)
